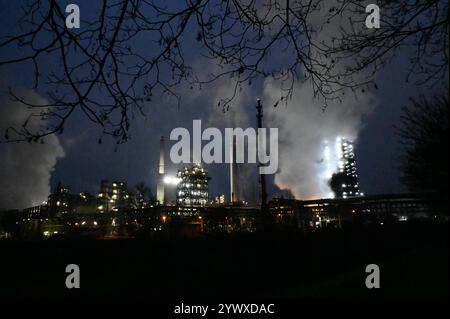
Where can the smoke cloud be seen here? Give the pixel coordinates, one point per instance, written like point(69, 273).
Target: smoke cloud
point(304, 128)
point(25, 168)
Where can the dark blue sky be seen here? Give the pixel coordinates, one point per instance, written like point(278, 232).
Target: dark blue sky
point(86, 162)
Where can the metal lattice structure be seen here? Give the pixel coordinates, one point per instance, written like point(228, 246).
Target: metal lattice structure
point(193, 186)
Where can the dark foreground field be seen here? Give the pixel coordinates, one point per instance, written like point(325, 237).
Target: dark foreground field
point(413, 260)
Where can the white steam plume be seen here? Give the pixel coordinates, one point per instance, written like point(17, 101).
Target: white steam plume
point(305, 126)
point(303, 129)
point(25, 168)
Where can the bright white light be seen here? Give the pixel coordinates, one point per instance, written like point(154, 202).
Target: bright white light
point(326, 153)
point(171, 180)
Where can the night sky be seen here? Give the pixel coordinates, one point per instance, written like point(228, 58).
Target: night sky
point(86, 162)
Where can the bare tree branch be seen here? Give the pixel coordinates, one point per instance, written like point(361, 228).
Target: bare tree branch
point(101, 70)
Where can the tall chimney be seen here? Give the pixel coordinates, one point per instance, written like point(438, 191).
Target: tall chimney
point(262, 178)
point(160, 186)
point(233, 188)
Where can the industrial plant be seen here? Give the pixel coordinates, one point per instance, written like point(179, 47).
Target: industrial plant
point(184, 205)
point(192, 189)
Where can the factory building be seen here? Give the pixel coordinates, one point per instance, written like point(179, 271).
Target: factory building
point(346, 182)
point(347, 165)
point(113, 196)
point(192, 187)
point(60, 200)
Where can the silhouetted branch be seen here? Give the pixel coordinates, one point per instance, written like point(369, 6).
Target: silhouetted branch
point(101, 71)
point(424, 135)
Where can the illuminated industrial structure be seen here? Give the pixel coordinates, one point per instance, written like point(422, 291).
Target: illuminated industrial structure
point(192, 187)
point(113, 196)
point(60, 200)
point(347, 168)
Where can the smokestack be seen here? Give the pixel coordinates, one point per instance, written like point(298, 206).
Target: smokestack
point(262, 178)
point(233, 188)
point(160, 186)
